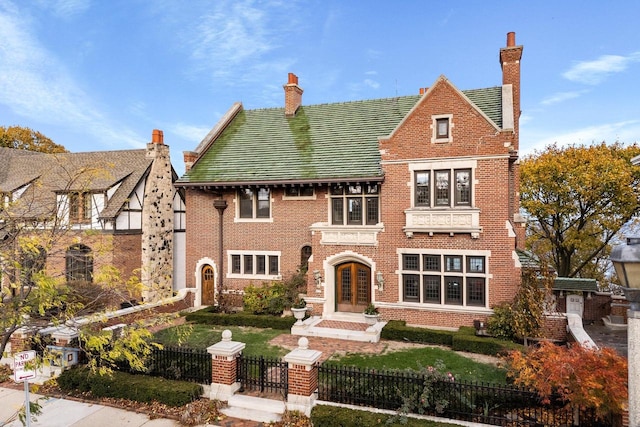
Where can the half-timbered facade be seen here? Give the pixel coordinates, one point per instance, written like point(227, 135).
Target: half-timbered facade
point(97, 209)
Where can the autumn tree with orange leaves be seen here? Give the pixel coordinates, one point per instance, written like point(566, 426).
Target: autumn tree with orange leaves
point(575, 375)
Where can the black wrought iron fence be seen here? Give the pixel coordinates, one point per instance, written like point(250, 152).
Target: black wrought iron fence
point(177, 363)
point(419, 393)
point(258, 373)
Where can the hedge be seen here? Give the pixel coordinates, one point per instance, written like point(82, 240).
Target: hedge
point(332, 416)
point(241, 319)
point(397, 330)
point(464, 339)
point(483, 345)
point(140, 388)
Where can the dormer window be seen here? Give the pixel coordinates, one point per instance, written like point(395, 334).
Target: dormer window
point(80, 207)
point(441, 126)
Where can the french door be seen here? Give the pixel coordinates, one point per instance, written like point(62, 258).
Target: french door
point(353, 287)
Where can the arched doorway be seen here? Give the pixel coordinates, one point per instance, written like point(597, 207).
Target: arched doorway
point(208, 285)
point(353, 287)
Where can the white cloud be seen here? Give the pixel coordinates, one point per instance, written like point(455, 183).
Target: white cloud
point(594, 72)
point(35, 84)
point(625, 132)
point(371, 83)
point(562, 96)
point(67, 9)
point(233, 40)
point(191, 133)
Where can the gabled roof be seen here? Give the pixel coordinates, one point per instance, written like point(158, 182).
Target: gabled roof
point(322, 143)
point(51, 174)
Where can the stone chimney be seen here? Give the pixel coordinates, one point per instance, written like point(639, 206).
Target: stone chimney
point(157, 223)
point(510, 62)
point(292, 96)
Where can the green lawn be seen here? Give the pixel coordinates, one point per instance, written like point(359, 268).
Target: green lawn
point(461, 367)
point(203, 336)
point(257, 341)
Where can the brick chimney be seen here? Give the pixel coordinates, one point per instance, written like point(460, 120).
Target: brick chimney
point(190, 158)
point(292, 96)
point(510, 62)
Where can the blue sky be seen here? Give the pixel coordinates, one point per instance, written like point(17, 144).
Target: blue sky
point(100, 75)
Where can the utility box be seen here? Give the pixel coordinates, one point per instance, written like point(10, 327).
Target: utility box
point(63, 357)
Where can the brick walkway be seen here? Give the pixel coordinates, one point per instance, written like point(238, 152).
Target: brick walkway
point(330, 346)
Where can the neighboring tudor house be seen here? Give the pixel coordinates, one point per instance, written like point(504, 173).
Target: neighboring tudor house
point(408, 202)
point(106, 208)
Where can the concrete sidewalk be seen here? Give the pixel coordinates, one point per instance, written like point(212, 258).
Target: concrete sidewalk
point(70, 413)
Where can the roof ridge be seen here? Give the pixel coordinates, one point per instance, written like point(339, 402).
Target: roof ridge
point(357, 101)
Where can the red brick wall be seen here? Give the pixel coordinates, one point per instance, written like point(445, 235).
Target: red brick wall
point(302, 382)
point(495, 195)
point(555, 328)
point(596, 305)
point(223, 370)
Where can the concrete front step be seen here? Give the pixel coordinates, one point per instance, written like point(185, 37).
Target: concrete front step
point(310, 328)
point(254, 408)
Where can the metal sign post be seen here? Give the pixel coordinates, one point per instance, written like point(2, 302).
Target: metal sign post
point(24, 370)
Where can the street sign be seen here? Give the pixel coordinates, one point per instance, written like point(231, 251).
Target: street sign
point(20, 370)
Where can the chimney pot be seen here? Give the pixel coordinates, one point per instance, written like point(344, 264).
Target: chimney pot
point(157, 137)
point(511, 39)
point(293, 79)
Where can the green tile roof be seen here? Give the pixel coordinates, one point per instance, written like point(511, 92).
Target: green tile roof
point(528, 259)
point(575, 284)
point(322, 143)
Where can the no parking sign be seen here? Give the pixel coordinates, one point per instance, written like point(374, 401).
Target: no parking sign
point(24, 366)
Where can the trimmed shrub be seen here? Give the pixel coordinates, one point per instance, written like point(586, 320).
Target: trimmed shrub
point(270, 298)
point(333, 416)
point(139, 388)
point(398, 330)
point(483, 345)
point(241, 319)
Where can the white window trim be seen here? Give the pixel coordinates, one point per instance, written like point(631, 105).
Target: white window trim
point(464, 253)
point(241, 275)
point(434, 130)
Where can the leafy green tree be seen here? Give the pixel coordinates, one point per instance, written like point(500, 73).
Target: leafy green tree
point(27, 139)
point(578, 198)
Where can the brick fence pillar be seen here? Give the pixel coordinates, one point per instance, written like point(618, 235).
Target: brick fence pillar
point(224, 367)
point(303, 377)
point(20, 340)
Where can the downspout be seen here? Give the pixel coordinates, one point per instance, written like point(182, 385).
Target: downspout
point(220, 205)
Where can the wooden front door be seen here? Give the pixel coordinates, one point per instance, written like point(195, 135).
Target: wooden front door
point(353, 287)
point(208, 288)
